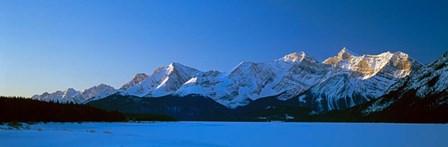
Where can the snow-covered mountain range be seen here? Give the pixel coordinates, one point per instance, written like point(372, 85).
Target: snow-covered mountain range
point(339, 82)
point(251, 81)
point(72, 95)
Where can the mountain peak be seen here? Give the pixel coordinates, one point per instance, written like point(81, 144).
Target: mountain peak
point(294, 57)
point(180, 67)
point(102, 85)
point(399, 54)
point(297, 57)
point(245, 63)
point(70, 90)
point(139, 77)
point(97, 92)
point(175, 64)
point(345, 53)
point(397, 64)
point(342, 55)
point(163, 81)
point(69, 93)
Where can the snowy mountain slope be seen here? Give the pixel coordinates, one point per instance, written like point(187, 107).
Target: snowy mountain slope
point(424, 91)
point(209, 84)
point(250, 81)
point(357, 79)
point(71, 95)
point(163, 81)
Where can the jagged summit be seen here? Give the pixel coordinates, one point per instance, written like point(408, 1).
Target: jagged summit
point(298, 57)
point(139, 77)
point(70, 92)
point(163, 81)
point(175, 64)
point(367, 66)
point(293, 57)
point(102, 85)
point(345, 54)
point(72, 95)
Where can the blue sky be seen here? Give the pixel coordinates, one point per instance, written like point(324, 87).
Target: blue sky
point(56, 44)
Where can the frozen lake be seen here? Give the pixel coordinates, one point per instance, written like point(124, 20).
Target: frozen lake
point(226, 134)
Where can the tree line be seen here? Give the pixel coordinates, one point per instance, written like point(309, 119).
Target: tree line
point(20, 109)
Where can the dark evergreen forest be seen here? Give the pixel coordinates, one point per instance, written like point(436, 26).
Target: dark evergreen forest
point(19, 109)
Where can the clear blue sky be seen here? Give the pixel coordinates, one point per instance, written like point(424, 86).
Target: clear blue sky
point(56, 44)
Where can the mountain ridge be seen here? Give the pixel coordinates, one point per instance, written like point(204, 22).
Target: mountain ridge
point(287, 77)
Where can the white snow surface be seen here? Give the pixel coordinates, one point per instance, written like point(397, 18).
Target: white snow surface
point(213, 134)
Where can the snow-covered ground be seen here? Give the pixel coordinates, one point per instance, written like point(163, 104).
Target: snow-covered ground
point(225, 134)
